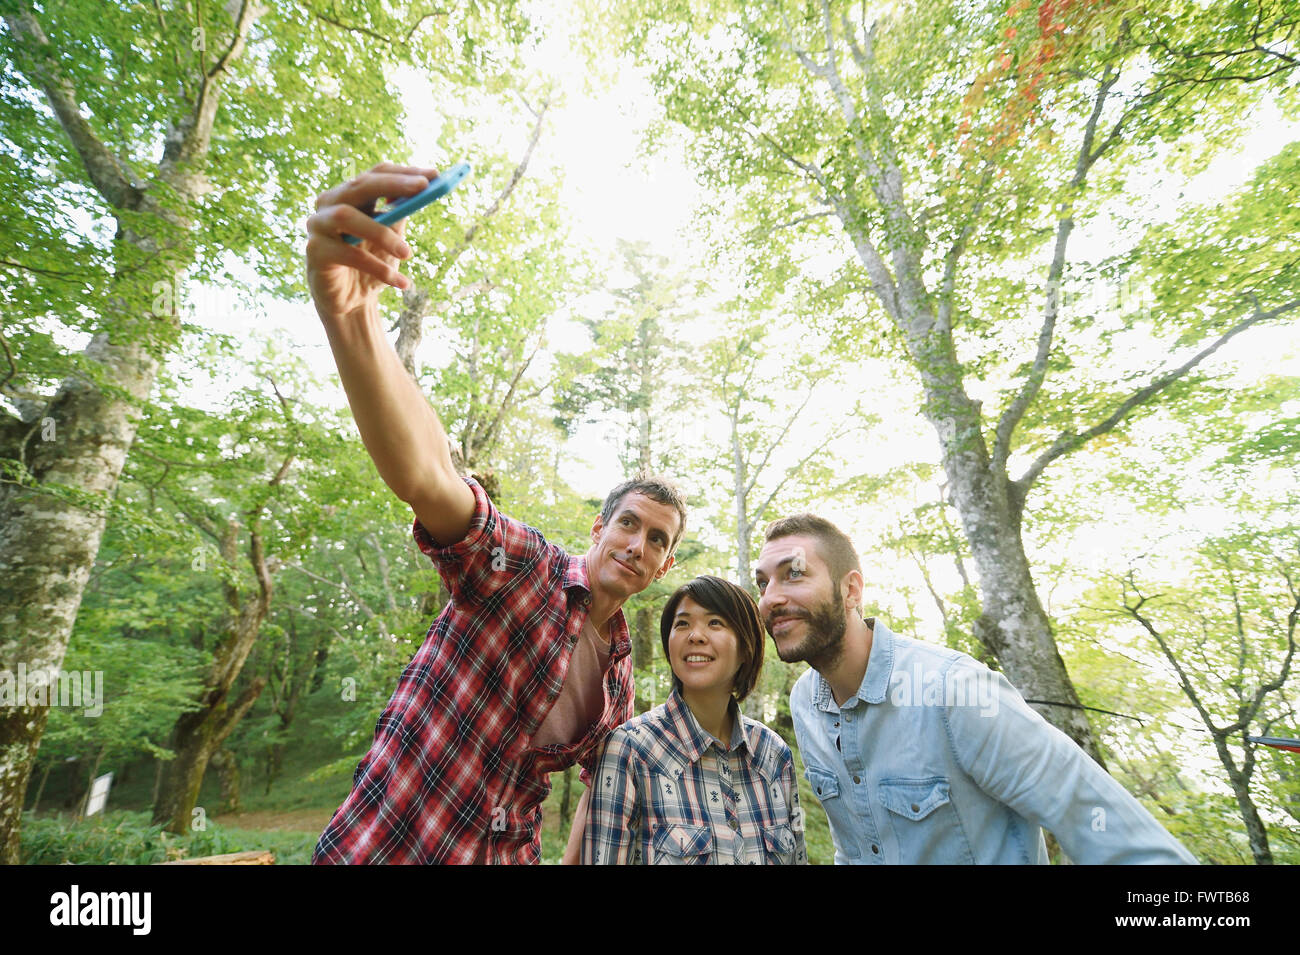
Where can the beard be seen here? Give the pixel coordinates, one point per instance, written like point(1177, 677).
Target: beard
point(824, 640)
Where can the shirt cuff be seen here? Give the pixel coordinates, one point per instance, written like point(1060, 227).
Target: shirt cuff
point(480, 526)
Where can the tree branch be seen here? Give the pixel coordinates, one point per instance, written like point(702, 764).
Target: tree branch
point(515, 178)
point(1070, 442)
point(798, 219)
point(366, 31)
point(780, 438)
point(187, 143)
point(1015, 412)
point(958, 249)
point(236, 711)
point(110, 177)
point(488, 433)
point(346, 587)
point(204, 524)
point(1135, 611)
point(176, 57)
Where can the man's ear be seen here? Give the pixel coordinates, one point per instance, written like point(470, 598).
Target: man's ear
point(597, 526)
point(666, 567)
point(852, 588)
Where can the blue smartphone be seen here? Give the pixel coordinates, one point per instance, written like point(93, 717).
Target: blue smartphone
point(444, 184)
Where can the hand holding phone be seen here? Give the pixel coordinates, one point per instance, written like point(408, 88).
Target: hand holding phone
point(345, 278)
point(440, 186)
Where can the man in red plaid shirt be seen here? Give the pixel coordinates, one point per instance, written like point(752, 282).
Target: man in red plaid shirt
point(528, 668)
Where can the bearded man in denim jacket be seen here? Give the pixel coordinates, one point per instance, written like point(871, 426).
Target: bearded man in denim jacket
point(920, 754)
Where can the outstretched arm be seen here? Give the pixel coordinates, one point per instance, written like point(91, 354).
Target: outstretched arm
point(1017, 757)
point(400, 430)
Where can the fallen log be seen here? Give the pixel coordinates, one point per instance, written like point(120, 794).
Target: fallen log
point(252, 857)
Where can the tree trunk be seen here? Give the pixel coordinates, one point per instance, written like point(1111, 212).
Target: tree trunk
point(1013, 624)
point(1255, 830)
point(178, 792)
point(643, 653)
point(195, 737)
point(159, 765)
point(274, 760)
point(197, 734)
point(645, 355)
point(1256, 833)
point(48, 542)
point(40, 790)
point(301, 673)
point(227, 766)
point(740, 499)
point(784, 722)
point(566, 802)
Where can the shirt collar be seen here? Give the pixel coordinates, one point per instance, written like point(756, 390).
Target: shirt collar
point(692, 739)
point(875, 682)
point(575, 577)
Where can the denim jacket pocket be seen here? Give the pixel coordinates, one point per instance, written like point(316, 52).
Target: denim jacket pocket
point(682, 845)
point(824, 785)
point(923, 819)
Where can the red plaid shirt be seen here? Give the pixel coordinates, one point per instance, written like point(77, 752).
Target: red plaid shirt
point(452, 776)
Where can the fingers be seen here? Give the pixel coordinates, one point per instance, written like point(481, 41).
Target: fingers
point(428, 172)
point(334, 221)
point(374, 257)
point(344, 210)
point(323, 251)
point(368, 187)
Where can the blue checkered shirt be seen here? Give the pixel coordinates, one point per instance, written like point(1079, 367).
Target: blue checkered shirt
point(666, 792)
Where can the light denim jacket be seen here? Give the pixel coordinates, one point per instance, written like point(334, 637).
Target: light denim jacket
point(940, 760)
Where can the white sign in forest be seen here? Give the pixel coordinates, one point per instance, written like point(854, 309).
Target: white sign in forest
point(99, 794)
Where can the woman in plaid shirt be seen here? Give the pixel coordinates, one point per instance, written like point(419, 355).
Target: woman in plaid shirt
point(667, 790)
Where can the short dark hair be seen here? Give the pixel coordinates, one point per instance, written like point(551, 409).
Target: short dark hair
point(833, 545)
point(657, 488)
point(734, 605)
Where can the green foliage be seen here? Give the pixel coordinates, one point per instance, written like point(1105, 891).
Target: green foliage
point(145, 685)
point(127, 838)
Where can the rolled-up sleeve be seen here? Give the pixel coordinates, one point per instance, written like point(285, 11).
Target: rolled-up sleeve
point(493, 553)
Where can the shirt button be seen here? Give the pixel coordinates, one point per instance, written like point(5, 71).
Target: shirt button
point(915, 808)
point(733, 824)
point(875, 849)
point(857, 780)
point(837, 724)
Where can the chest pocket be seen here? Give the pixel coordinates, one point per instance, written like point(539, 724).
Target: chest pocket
point(778, 845)
point(824, 785)
point(682, 845)
point(924, 821)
